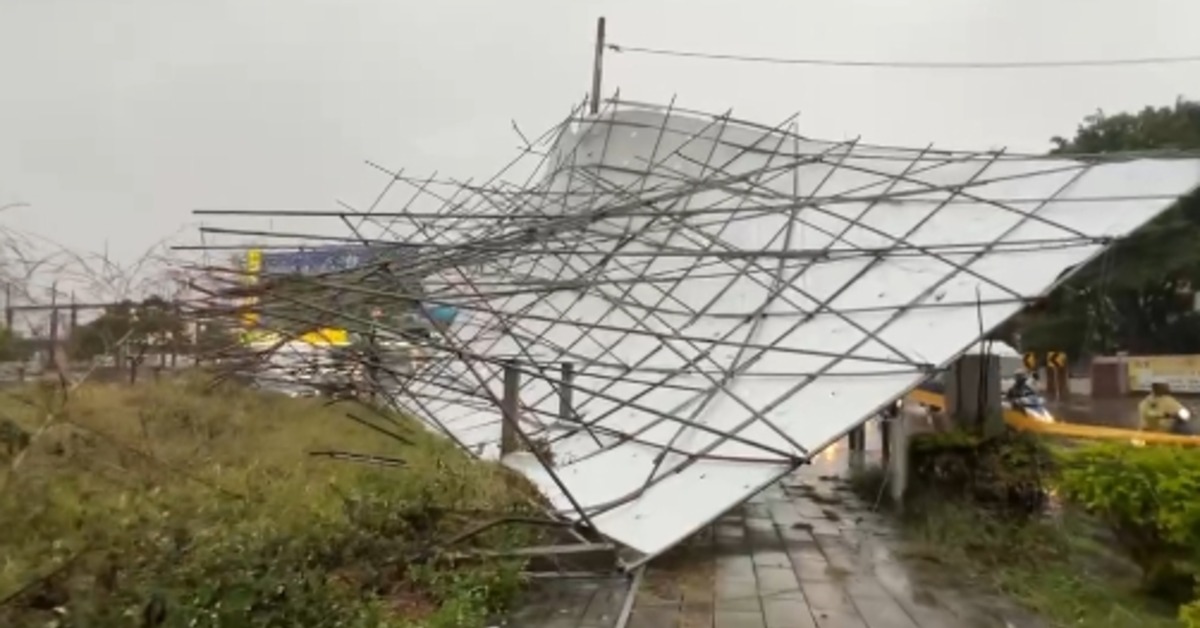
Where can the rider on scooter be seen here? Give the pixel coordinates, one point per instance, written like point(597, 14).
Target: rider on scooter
point(1159, 411)
point(1021, 387)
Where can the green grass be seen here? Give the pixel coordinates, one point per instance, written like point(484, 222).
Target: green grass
point(207, 502)
point(1060, 569)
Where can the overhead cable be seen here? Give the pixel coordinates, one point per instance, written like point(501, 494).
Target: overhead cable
point(910, 65)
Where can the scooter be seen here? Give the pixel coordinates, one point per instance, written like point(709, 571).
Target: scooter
point(1033, 405)
point(1182, 423)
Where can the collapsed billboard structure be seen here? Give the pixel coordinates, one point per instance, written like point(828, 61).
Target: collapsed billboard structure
point(730, 298)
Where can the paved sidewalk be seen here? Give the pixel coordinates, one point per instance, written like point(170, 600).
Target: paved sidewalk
point(573, 603)
point(805, 553)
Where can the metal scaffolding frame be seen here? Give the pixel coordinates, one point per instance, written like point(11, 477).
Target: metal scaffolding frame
point(664, 243)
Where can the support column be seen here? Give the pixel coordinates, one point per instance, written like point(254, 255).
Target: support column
point(1058, 384)
point(858, 447)
point(566, 407)
point(973, 394)
point(897, 464)
point(510, 407)
point(886, 420)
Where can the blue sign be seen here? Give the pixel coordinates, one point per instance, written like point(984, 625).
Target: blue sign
point(441, 314)
point(323, 260)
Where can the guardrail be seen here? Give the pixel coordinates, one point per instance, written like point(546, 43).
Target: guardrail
point(1019, 421)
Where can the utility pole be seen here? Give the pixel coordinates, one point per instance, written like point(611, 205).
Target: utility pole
point(597, 67)
point(52, 353)
point(74, 315)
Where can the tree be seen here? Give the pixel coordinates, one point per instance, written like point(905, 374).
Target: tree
point(104, 333)
point(1138, 296)
point(13, 346)
point(214, 337)
point(158, 323)
point(153, 322)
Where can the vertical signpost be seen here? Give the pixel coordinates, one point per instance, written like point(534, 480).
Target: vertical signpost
point(1057, 380)
point(253, 268)
point(1056, 367)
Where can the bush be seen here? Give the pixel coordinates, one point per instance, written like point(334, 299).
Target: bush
point(1189, 615)
point(1007, 472)
point(1149, 497)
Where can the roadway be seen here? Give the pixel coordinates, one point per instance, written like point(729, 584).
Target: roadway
point(1084, 410)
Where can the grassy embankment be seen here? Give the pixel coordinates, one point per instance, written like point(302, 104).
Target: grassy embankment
point(175, 504)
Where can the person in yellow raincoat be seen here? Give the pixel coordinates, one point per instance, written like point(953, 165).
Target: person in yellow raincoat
point(1157, 412)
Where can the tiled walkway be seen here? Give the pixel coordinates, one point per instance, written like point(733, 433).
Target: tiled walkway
point(573, 604)
point(805, 553)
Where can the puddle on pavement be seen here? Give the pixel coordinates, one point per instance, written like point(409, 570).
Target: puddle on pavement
point(566, 602)
point(923, 583)
point(929, 584)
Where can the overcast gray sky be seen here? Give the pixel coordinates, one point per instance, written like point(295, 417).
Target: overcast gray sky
point(117, 118)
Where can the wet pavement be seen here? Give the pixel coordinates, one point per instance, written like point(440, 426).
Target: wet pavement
point(1119, 412)
point(573, 603)
point(805, 553)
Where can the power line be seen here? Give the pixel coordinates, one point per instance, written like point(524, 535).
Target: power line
point(910, 65)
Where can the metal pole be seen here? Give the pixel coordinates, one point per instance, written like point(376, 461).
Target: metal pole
point(597, 67)
point(890, 416)
point(858, 447)
point(50, 357)
point(510, 407)
point(566, 410)
point(178, 328)
point(373, 363)
point(74, 315)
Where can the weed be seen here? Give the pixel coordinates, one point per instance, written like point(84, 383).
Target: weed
point(183, 504)
point(1055, 568)
point(1006, 473)
point(975, 509)
point(14, 438)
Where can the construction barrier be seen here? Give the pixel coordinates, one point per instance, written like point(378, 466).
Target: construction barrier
point(1020, 421)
